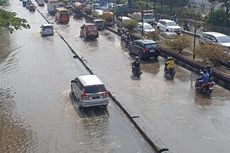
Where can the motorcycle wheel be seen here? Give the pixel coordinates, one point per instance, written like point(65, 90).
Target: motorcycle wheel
point(209, 92)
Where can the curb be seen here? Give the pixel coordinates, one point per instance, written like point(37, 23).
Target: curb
point(131, 118)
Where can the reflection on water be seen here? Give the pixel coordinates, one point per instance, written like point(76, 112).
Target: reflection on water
point(15, 135)
point(7, 53)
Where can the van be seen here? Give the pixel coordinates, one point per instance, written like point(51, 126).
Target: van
point(89, 91)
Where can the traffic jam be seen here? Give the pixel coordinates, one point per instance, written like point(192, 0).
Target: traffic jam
point(120, 71)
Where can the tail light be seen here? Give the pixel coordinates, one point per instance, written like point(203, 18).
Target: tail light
point(84, 94)
point(106, 93)
point(158, 48)
point(145, 50)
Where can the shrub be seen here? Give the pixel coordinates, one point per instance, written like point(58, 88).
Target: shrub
point(130, 24)
point(213, 53)
point(108, 17)
point(179, 43)
point(153, 35)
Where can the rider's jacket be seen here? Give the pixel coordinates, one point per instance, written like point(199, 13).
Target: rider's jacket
point(204, 77)
point(169, 64)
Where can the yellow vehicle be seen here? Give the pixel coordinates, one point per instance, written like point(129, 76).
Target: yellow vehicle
point(62, 15)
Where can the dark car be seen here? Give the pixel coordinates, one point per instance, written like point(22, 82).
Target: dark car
point(89, 30)
point(99, 23)
point(144, 48)
point(32, 8)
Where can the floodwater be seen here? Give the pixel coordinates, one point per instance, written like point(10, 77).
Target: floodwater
point(37, 113)
point(171, 112)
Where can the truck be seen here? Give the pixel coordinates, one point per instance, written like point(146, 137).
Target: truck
point(51, 6)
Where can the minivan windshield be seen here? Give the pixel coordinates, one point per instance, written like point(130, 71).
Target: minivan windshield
point(149, 16)
point(95, 89)
point(223, 39)
point(151, 46)
point(171, 23)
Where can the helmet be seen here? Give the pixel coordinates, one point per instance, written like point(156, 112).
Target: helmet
point(169, 58)
point(136, 58)
point(208, 67)
point(205, 71)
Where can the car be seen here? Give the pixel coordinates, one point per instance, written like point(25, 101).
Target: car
point(215, 38)
point(89, 30)
point(144, 48)
point(166, 25)
point(146, 28)
point(28, 4)
point(46, 30)
point(99, 23)
point(89, 91)
point(41, 2)
point(32, 8)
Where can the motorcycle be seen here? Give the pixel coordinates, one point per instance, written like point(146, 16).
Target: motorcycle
point(205, 88)
point(169, 74)
point(136, 71)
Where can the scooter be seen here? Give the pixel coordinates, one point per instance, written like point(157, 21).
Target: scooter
point(205, 88)
point(136, 71)
point(169, 74)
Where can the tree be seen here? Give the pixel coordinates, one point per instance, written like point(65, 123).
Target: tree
point(9, 21)
point(216, 17)
point(226, 4)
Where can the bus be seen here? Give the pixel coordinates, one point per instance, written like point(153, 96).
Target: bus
point(62, 15)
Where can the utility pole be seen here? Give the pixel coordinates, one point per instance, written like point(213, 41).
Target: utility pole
point(142, 19)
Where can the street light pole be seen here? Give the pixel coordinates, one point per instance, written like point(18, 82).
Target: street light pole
point(194, 41)
point(142, 19)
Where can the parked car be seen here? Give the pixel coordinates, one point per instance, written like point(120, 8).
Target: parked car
point(90, 91)
point(32, 8)
point(99, 23)
point(89, 30)
point(144, 48)
point(47, 30)
point(166, 25)
point(146, 28)
point(215, 38)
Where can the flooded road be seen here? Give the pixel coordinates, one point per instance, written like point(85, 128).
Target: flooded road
point(171, 112)
point(37, 113)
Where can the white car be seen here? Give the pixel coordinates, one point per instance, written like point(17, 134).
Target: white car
point(215, 38)
point(146, 28)
point(47, 30)
point(166, 25)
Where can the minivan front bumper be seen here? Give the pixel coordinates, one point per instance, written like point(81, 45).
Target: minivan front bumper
point(91, 103)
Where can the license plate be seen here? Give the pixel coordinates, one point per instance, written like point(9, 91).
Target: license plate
point(152, 50)
point(96, 97)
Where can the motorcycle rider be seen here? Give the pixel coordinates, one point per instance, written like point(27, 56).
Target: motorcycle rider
point(210, 71)
point(186, 24)
point(203, 79)
point(169, 65)
point(136, 65)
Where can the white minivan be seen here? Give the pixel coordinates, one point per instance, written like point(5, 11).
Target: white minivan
point(89, 91)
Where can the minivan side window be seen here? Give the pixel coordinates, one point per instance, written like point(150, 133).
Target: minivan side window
point(80, 86)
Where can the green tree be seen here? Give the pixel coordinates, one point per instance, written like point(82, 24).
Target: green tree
point(10, 21)
point(130, 24)
point(226, 5)
point(216, 17)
